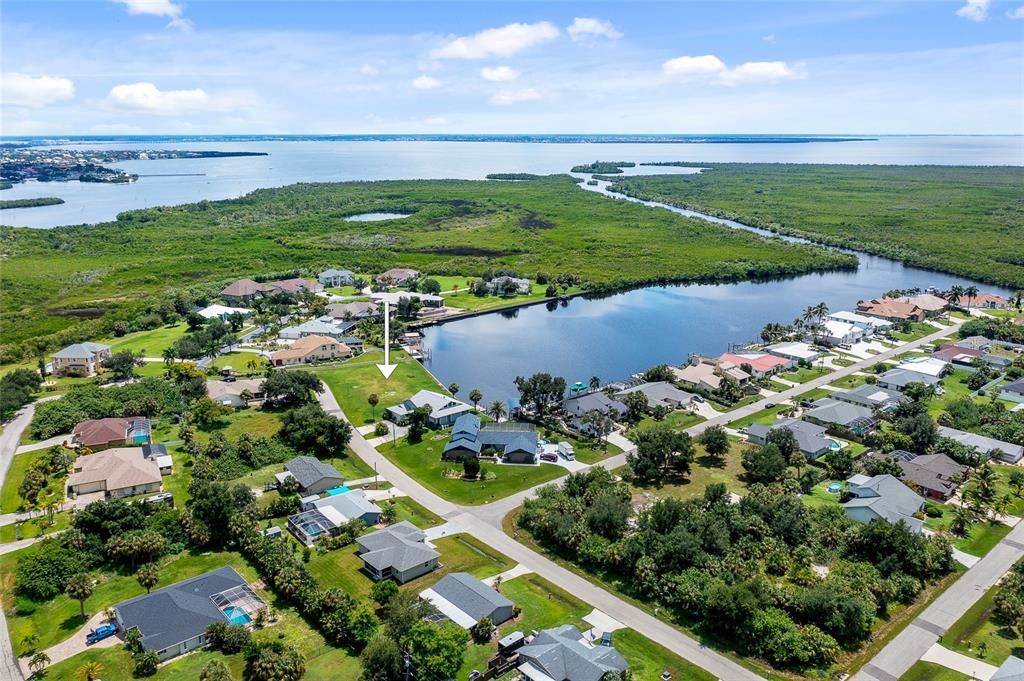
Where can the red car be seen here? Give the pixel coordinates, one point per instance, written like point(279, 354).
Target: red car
point(547, 456)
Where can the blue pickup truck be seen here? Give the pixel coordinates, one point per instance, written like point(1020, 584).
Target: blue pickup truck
point(101, 632)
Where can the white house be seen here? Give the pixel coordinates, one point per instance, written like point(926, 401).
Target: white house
point(840, 333)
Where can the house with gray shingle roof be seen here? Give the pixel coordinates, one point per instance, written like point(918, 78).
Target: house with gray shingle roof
point(514, 442)
point(1014, 392)
point(314, 476)
point(1009, 452)
point(853, 417)
point(560, 654)
point(898, 379)
point(1012, 669)
point(173, 620)
point(935, 475)
point(352, 505)
point(883, 497)
point(399, 552)
point(465, 600)
point(869, 395)
point(809, 436)
point(659, 394)
point(80, 359)
point(444, 410)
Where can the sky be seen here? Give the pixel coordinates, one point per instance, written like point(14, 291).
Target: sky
point(203, 67)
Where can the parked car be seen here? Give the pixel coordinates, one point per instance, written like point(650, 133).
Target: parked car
point(606, 639)
point(549, 456)
point(101, 632)
point(698, 398)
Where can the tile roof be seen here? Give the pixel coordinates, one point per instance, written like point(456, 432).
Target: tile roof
point(889, 308)
point(117, 468)
point(245, 287)
point(218, 389)
point(759, 361)
point(355, 309)
point(305, 346)
point(102, 431)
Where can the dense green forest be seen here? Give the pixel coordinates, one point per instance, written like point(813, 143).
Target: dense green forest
point(964, 220)
point(54, 278)
point(31, 203)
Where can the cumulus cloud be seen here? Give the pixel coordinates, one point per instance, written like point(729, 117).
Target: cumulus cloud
point(584, 28)
point(497, 42)
point(693, 66)
point(148, 98)
point(498, 74)
point(426, 83)
point(975, 10)
point(1016, 13)
point(159, 8)
point(368, 70)
point(435, 120)
point(770, 38)
point(506, 97)
point(20, 89)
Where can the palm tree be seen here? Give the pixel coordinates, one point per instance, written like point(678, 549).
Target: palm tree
point(1018, 299)
point(962, 519)
point(955, 293)
point(971, 292)
point(80, 588)
point(38, 662)
point(475, 396)
point(148, 576)
point(497, 410)
point(373, 401)
point(595, 383)
point(90, 671)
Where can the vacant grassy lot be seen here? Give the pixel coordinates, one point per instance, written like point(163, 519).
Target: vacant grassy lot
point(704, 472)
point(150, 343)
point(961, 220)
point(10, 501)
point(978, 625)
point(765, 416)
point(804, 374)
point(352, 382)
point(929, 671)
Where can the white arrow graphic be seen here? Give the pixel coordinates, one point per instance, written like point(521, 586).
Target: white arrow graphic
point(387, 368)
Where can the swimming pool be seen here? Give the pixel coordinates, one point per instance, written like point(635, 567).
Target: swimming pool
point(835, 445)
point(236, 615)
point(334, 491)
point(835, 488)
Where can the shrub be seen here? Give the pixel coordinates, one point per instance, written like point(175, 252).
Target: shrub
point(381, 429)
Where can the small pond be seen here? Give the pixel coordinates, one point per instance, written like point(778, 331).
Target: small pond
point(375, 217)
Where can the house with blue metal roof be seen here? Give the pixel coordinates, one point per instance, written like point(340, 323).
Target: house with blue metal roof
point(512, 441)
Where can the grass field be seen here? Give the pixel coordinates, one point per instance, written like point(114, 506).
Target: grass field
point(355, 380)
point(850, 382)
point(804, 374)
point(959, 220)
point(765, 416)
point(929, 671)
point(702, 474)
point(470, 302)
point(150, 343)
point(239, 362)
point(978, 625)
point(9, 499)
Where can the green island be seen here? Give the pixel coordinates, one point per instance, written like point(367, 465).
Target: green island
point(604, 167)
point(31, 203)
point(963, 220)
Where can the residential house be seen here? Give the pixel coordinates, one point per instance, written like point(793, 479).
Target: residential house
point(398, 552)
point(324, 326)
point(173, 620)
point(80, 359)
point(314, 476)
point(934, 475)
point(706, 374)
point(562, 654)
point(898, 379)
point(465, 600)
point(444, 410)
point(931, 366)
point(870, 325)
point(354, 344)
point(324, 517)
point(871, 396)
point(311, 349)
point(99, 434)
point(296, 285)
point(353, 311)
point(1004, 451)
point(499, 285)
point(118, 472)
point(222, 312)
point(836, 333)
point(854, 418)
point(974, 343)
point(932, 304)
point(762, 364)
point(659, 394)
point(392, 298)
point(798, 352)
point(809, 436)
point(158, 453)
point(882, 497)
point(575, 407)
point(961, 358)
point(398, 276)
point(514, 442)
point(891, 310)
point(352, 505)
point(335, 278)
point(984, 301)
point(244, 291)
point(1012, 669)
point(1014, 392)
point(230, 393)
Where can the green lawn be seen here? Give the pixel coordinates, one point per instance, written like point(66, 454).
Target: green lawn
point(9, 499)
point(954, 387)
point(239, 362)
point(150, 343)
point(423, 462)
point(702, 474)
point(820, 496)
point(252, 420)
point(765, 416)
point(929, 671)
point(804, 374)
point(413, 511)
point(679, 420)
point(917, 330)
point(467, 301)
point(647, 660)
point(850, 382)
point(981, 536)
point(36, 527)
point(977, 625)
point(353, 381)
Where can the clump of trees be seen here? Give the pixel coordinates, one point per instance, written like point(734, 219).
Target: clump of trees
point(16, 389)
point(148, 397)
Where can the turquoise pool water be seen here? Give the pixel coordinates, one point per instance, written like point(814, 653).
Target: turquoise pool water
point(236, 615)
point(834, 445)
point(835, 488)
point(337, 490)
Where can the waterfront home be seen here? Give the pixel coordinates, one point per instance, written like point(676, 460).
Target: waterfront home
point(932, 304)
point(934, 475)
point(835, 333)
point(444, 410)
point(564, 654)
point(235, 394)
point(882, 497)
point(324, 326)
point(392, 298)
point(854, 418)
point(514, 442)
point(398, 276)
point(987, 447)
point(399, 552)
point(222, 312)
point(465, 600)
point(500, 285)
point(335, 278)
point(870, 325)
point(659, 394)
point(310, 349)
point(173, 620)
point(984, 301)
point(595, 401)
point(898, 379)
point(99, 434)
point(313, 475)
point(810, 437)
point(796, 351)
point(1013, 392)
point(761, 364)
point(244, 291)
point(118, 472)
point(891, 310)
point(931, 366)
point(351, 311)
point(871, 396)
point(706, 373)
point(80, 359)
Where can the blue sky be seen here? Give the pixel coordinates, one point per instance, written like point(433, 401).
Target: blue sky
point(170, 66)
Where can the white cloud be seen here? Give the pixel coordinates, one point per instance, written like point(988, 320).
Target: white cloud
point(159, 8)
point(368, 70)
point(1016, 13)
point(148, 98)
point(693, 66)
point(975, 10)
point(497, 42)
point(506, 97)
point(435, 120)
point(426, 83)
point(20, 89)
point(760, 72)
point(498, 74)
point(770, 38)
point(583, 28)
